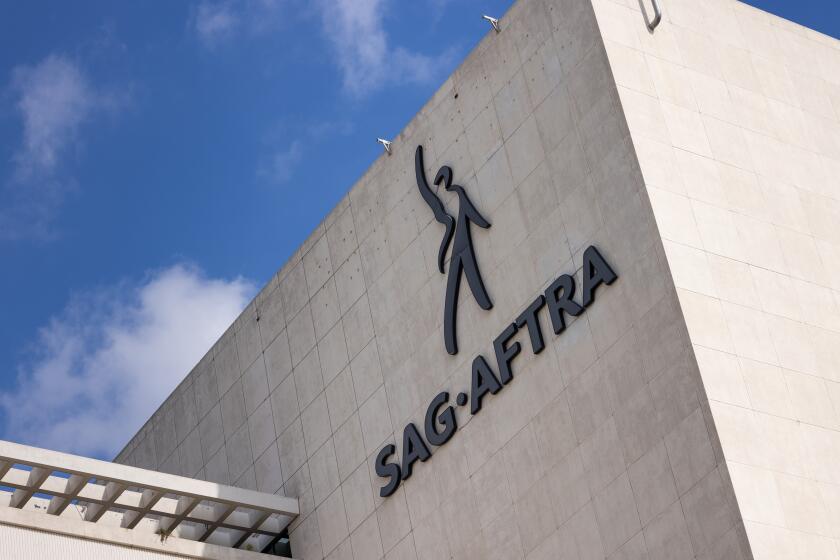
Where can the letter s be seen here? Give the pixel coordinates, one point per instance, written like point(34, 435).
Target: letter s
point(388, 470)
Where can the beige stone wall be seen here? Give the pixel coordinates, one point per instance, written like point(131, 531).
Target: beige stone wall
point(601, 447)
point(735, 115)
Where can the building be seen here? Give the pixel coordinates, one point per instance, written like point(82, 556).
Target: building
point(645, 359)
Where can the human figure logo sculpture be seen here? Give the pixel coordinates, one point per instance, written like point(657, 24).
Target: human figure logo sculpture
point(462, 260)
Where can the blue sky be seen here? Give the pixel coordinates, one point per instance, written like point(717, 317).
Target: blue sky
point(160, 160)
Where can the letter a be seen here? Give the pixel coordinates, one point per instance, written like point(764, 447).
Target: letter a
point(595, 271)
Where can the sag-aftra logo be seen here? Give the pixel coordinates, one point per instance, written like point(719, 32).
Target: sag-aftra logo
point(463, 255)
point(559, 299)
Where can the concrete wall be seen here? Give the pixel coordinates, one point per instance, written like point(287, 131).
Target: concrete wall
point(705, 372)
point(27, 544)
point(735, 115)
point(28, 534)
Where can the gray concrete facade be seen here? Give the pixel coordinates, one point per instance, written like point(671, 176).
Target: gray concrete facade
point(659, 421)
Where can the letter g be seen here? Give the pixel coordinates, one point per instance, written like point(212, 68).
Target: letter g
point(446, 419)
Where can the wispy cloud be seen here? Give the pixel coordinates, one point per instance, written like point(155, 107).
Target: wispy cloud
point(322, 129)
point(281, 165)
point(216, 21)
point(363, 52)
point(112, 356)
point(54, 100)
point(438, 8)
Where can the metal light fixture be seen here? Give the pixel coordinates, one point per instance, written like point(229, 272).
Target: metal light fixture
point(493, 21)
point(385, 144)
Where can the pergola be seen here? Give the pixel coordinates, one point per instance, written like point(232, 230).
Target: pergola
point(129, 498)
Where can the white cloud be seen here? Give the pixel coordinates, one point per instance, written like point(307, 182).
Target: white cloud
point(105, 364)
point(282, 158)
point(55, 99)
point(220, 20)
point(214, 21)
point(323, 129)
point(281, 165)
point(366, 59)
